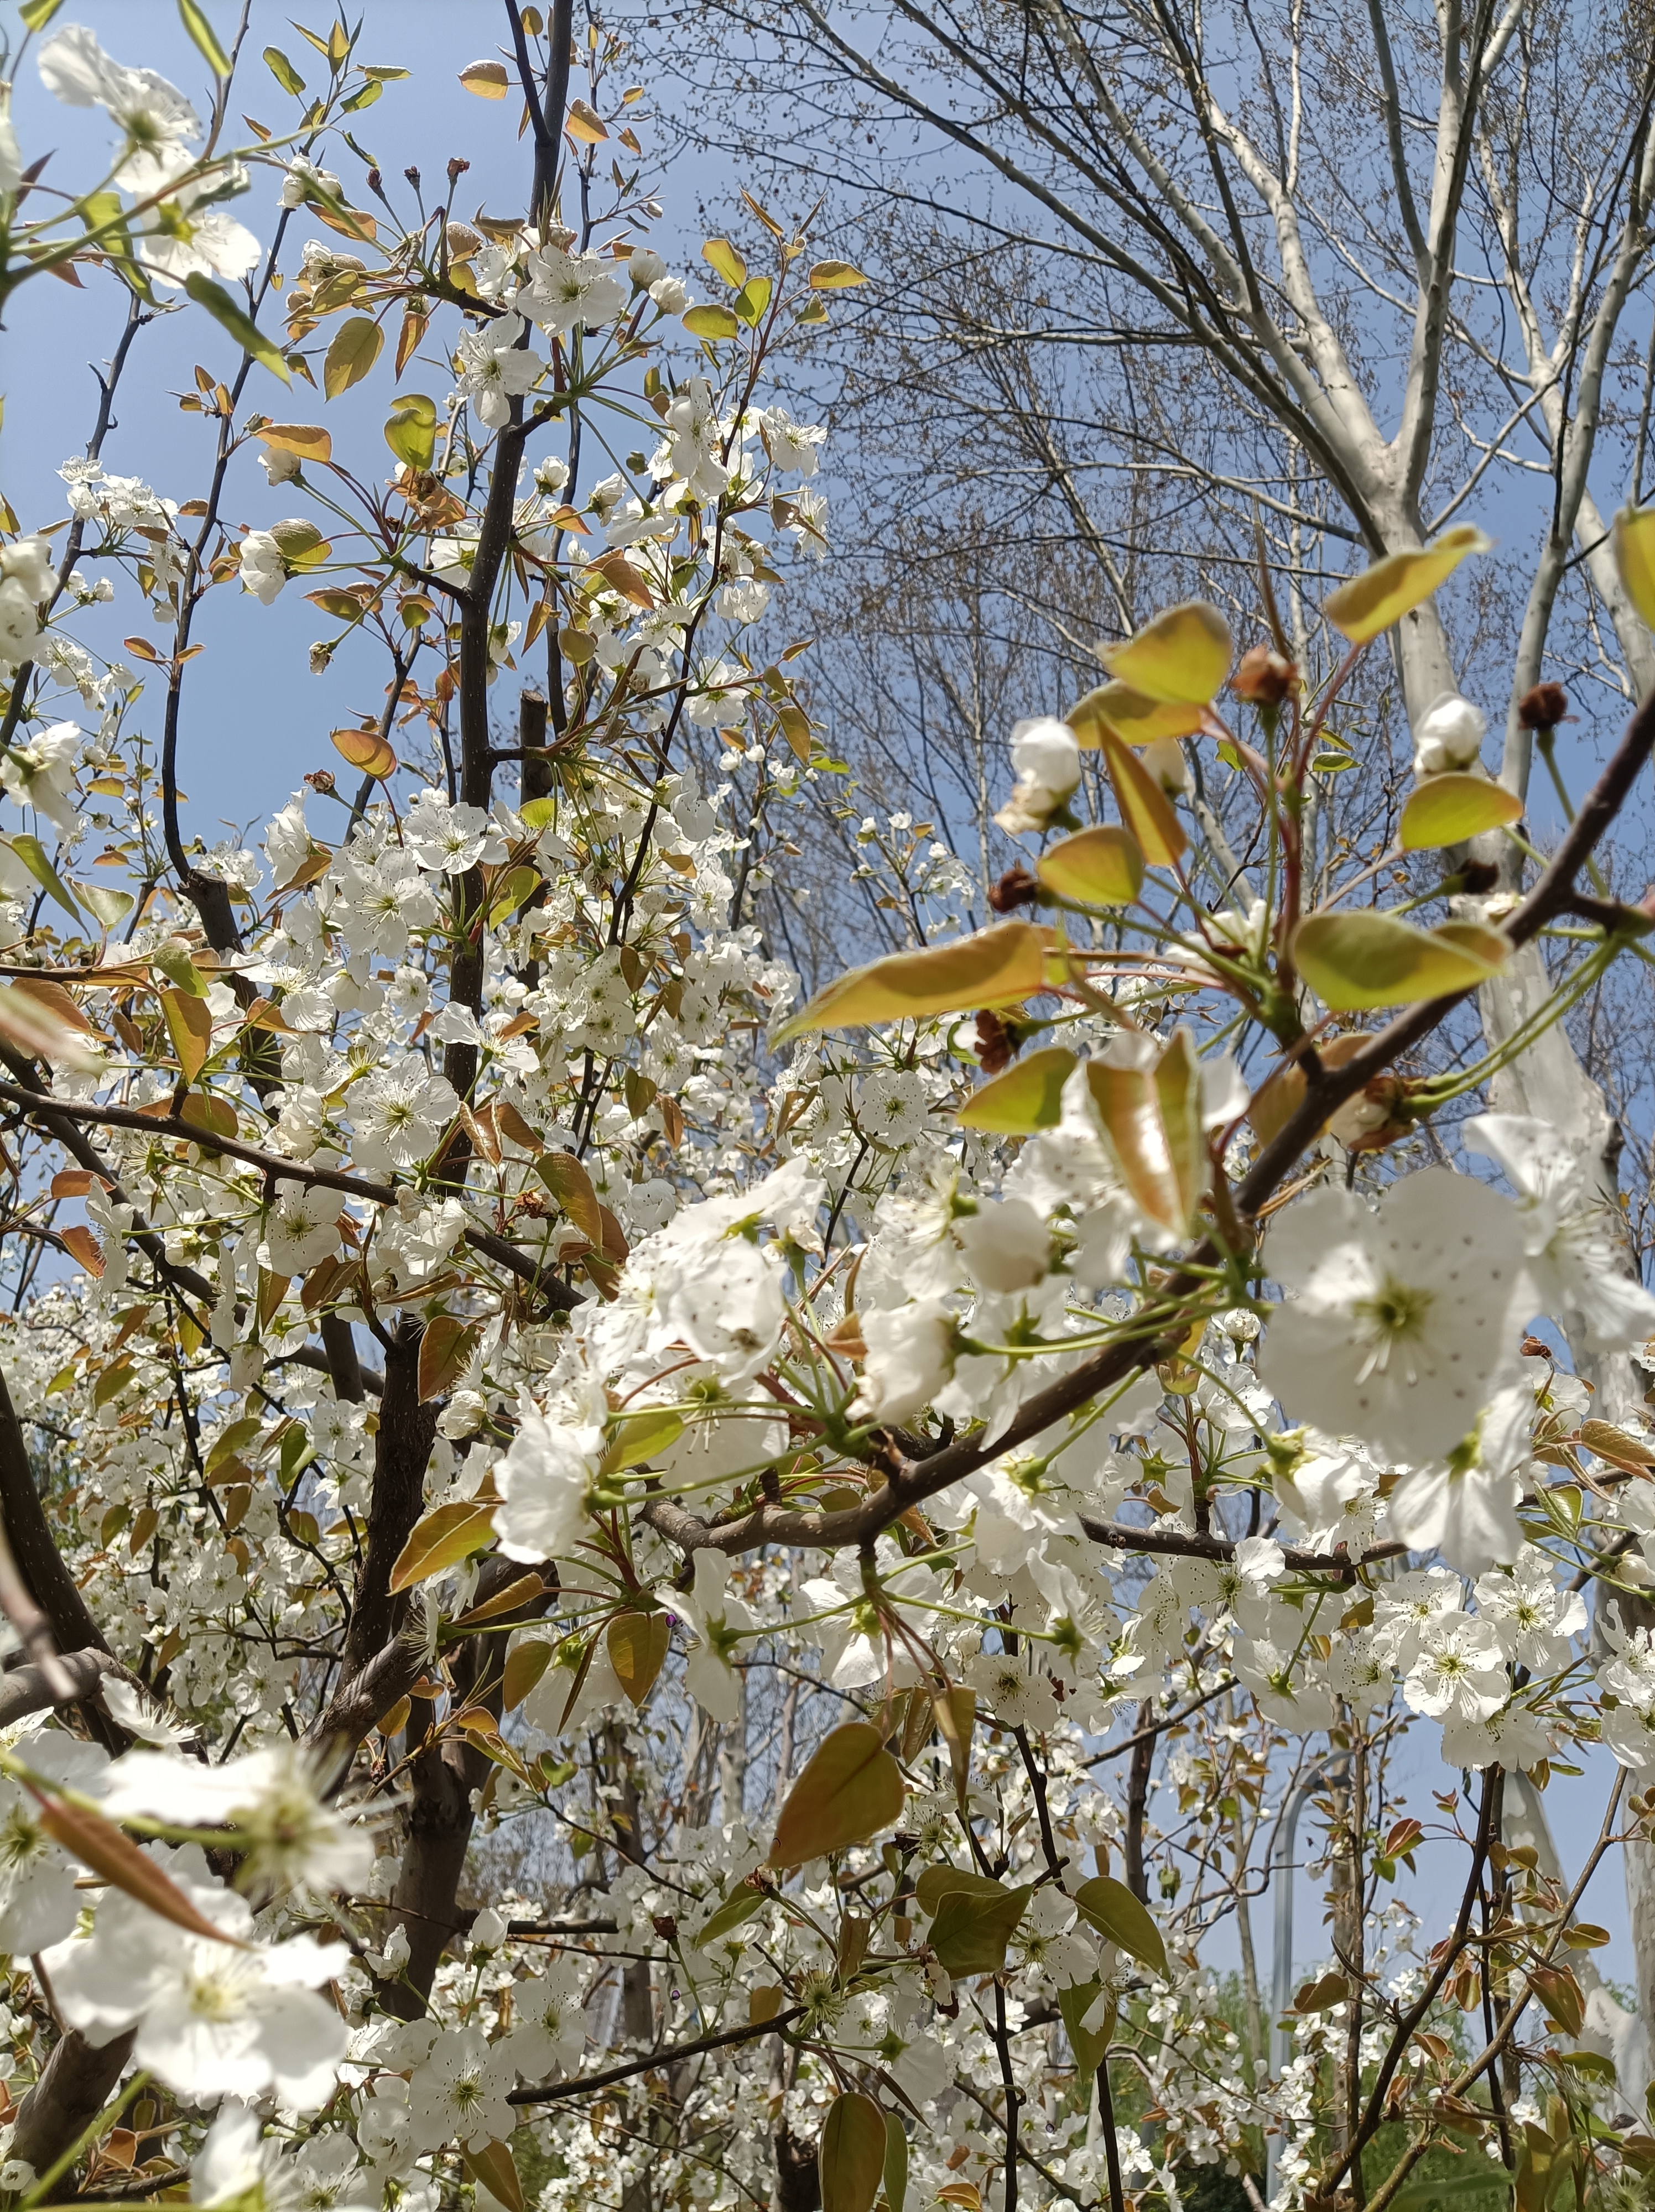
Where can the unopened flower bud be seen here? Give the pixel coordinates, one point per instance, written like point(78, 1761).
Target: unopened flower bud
point(456, 169)
point(1016, 888)
point(1449, 735)
point(1263, 677)
point(996, 1047)
point(1543, 706)
point(321, 779)
point(412, 175)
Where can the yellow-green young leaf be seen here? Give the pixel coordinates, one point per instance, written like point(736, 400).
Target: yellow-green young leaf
point(1364, 959)
point(172, 956)
point(444, 1349)
point(440, 1539)
point(851, 1788)
point(1110, 1908)
point(1370, 603)
point(583, 122)
point(1182, 657)
point(232, 1443)
point(190, 1026)
point(1132, 716)
point(1446, 810)
point(1028, 1097)
point(32, 854)
point(1103, 866)
point(487, 80)
point(302, 546)
point(37, 14)
point(895, 2174)
point(1151, 1119)
point(507, 893)
point(355, 350)
point(834, 275)
point(751, 302)
point(743, 1901)
point(1145, 807)
point(194, 19)
point(525, 1665)
point(1633, 540)
point(284, 71)
point(309, 440)
point(994, 968)
point(1089, 2045)
point(494, 2167)
point(711, 322)
point(721, 255)
point(972, 1929)
point(851, 2158)
point(411, 432)
point(239, 325)
point(638, 1645)
point(639, 1437)
point(571, 1186)
point(98, 1844)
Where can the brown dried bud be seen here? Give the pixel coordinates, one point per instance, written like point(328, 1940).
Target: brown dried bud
point(456, 169)
point(996, 1045)
point(1263, 677)
point(1016, 888)
point(665, 1926)
point(412, 175)
point(1544, 708)
point(1535, 1348)
point(1478, 877)
point(375, 180)
point(321, 779)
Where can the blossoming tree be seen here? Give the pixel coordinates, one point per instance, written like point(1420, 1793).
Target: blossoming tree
point(496, 1335)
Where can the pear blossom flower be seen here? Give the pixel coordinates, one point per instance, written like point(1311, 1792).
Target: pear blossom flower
point(1400, 1322)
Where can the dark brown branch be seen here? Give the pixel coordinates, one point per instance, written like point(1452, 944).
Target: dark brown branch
point(554, 2091)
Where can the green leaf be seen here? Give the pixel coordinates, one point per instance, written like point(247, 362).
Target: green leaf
point(972, 1928)
point(1110, 1908)
point(1151, 1118)
point(1089, 2047)
point(638, 1643)
point(751, 302)
point(994, 968)
point(851, 2158)
point(1634, 557)
point(1369, 958)
point(739, 1906)
point(851, 1788)
point(1145, 807)
point(32, 854)
point(110, 907)
point(721, 255)
point(37, 14)
point(239, 325)
point(193, 17)
point(834, 275)
point(364, 96)
point(412, 431)
point(172, 956)
point(896, 2163)
point(1383, 594)
point(355, 350)
point(190, 1026)
point(1028, 1097)
point(283, 71)
point(1103, 866)
point(639, 1437)
point(710, 321)
point(440, 1539)
point(1181, 658)
point(1133, 716)
point(1446, 810)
